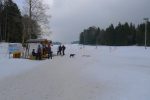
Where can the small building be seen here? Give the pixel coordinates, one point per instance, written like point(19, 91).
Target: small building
point(34, 43)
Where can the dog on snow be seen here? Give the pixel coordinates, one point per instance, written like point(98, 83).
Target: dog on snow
point(72, 55)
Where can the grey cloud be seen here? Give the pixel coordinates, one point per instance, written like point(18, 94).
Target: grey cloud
point(70, 17)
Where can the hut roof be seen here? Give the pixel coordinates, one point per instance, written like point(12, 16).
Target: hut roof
point(37, 40)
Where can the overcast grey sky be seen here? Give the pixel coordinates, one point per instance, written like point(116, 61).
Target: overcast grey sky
point(70, 17)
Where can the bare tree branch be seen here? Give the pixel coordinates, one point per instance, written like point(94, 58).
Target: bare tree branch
point(37, 11)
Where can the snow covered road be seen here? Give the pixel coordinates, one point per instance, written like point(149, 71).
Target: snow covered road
point(106, 73)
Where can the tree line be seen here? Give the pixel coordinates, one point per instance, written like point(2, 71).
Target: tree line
point(17, 26)
point(121, 35)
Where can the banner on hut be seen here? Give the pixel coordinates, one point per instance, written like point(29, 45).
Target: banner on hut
point(15, 48)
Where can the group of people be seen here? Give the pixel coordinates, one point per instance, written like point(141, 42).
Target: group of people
point(61, 50)
point(46, 50)
point(42, 51)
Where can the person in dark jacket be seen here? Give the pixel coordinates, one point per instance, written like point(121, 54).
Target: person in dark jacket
point(39, 52)
point(59, 50)
point(33, 52)
point(49, 51)
point(63, 49)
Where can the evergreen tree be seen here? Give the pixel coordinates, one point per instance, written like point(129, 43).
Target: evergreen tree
point(13, 23)
point(97, 36)
point(132, 35)
point(110, 35)
point(101, 37)
point(140, 34)
point(118, 31)
point(1, 7)
point(148, 33)
point(81, 38)
point(91, 35)
point(121, 35)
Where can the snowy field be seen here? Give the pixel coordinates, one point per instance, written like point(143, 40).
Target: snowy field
point(105, 73)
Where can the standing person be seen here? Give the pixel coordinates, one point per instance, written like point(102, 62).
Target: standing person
point(44, 49)
point(39, 52)
point(63, 49)
point(59, 50)
point(33, 53)
point(49, 51)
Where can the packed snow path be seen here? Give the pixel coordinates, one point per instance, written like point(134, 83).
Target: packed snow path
point(93, 74)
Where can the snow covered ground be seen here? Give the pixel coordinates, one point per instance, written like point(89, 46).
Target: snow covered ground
point(105, 73)
point(10, 66)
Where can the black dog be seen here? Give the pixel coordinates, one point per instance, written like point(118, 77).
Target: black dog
point(72, 55)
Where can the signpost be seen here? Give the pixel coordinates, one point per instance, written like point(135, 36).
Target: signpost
point(14, 47)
